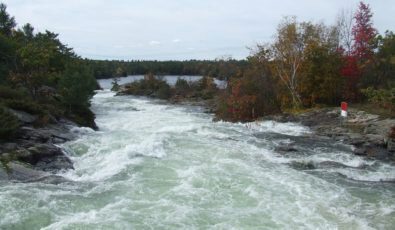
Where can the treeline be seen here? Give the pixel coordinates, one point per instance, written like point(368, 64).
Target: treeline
point(41, 76)
point(311, 65)
point(220, 68)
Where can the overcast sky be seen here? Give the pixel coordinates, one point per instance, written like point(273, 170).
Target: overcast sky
point(177, 29)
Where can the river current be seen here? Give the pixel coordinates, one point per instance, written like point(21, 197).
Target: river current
point(153, 165)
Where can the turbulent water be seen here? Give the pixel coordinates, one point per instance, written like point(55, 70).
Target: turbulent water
point(159, 166)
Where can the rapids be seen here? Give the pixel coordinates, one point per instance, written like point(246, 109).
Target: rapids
point(158, 166)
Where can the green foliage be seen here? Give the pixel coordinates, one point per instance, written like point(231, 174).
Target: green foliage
point(220, 68)
point(7, 23)
point(28, 106)
point(76, 85)
point(381, 97)
point(320, 80)
point(182, 87)
point(8, 124)
point(115, 85)
point(8, 93)
point(150, 86)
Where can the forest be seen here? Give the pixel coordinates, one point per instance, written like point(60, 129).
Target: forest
point(221, 68)
point(42, 76)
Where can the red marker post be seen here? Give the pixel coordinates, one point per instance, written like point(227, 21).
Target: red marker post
point(344, 107)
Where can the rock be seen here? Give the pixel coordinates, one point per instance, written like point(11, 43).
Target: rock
point(360, 151)
point(391, 145)
point(7, 147)
point(375, 139)
point(286, 149)
point(45, 157)
point(50, 179)
point(36, 135)
point(23, 116)
point(3, 173)
point(19, 172)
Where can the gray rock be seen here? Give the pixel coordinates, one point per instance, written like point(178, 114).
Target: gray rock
point(24, 117)
point(391, 145)
point(3, 173)
point(286, 149)
point(360, 151)
point(19, 172)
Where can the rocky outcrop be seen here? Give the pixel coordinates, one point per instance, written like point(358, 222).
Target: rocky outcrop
point(367, 133)
point(33, 155)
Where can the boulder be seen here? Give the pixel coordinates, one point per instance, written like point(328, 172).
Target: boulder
point(24, 117)
point(391, 145)
point(45, 157)
point(20, 172)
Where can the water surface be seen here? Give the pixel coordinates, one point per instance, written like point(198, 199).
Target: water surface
point(159, 166)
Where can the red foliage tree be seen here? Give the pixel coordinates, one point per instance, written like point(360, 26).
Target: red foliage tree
point(362, 51)
point(363, 33)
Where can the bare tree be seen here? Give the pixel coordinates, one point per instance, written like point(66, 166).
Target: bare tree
point(344, 24)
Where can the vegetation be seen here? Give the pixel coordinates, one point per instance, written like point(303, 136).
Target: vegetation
point(311, 65)
point(41, 76)
point(154, 86)
point(8, 124)
point(221, 68)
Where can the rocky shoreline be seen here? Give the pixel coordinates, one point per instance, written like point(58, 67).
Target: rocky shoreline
point(367, 133)
point(33, 155)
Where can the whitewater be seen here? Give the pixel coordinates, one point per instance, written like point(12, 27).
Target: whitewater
point(153, 165)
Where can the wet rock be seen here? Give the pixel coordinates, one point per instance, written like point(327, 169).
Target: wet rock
point(7, 147)
point(303, 165)
point(391, 145)
point(360, 151)
point(49, 179)
point(288, 148)
point(24, 117)
point(45, 157)
point(20, 172)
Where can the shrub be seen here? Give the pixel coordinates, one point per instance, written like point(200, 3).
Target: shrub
point(8, 124)
point(9, 93)
point(164, 91)
point(24, 105)
point(384, 98)
point(182, 87)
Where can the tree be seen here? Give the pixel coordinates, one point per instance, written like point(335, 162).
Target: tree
point(360, 59)
point(76, 85)
point(344, 26)
point(7, 23)
point(363, 34)
point(287, 53)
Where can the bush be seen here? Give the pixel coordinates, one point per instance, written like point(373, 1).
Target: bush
point(149, 86)
point(8, 124)
point(164, 91)
point(384, 98)
point(182, 87)
point(24, 105)
point(247, 98)
point(9, 93)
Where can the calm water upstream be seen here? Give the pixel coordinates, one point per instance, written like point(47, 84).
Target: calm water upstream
point(159, 166)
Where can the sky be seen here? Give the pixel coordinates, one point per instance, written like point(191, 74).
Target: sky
point(177, 29)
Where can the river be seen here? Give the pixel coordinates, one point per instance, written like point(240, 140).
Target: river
point(158, 166)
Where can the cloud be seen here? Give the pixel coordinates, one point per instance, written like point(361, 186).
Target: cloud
point(213, 26)
point(154, 43)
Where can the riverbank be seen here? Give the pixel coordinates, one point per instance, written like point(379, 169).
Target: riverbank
point(33, 154)
point(367, 133)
